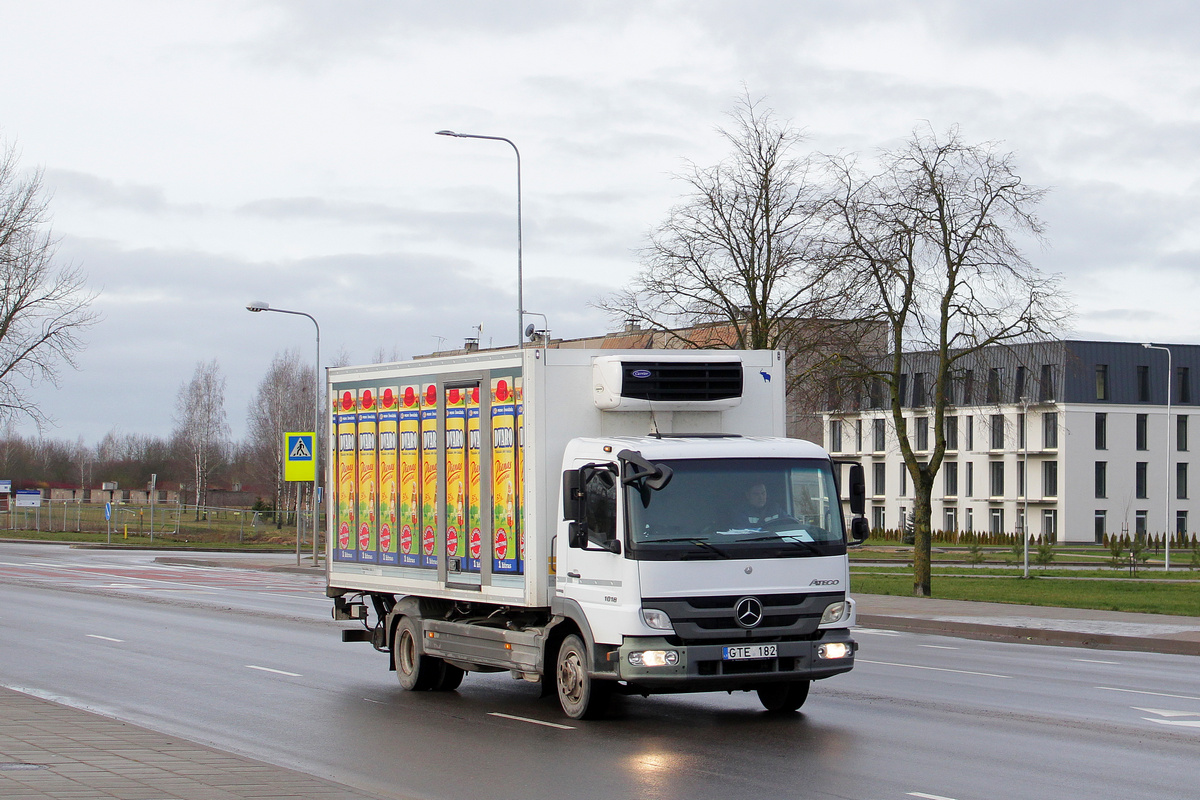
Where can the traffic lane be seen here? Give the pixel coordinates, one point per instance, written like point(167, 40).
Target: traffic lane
point(1083, 685)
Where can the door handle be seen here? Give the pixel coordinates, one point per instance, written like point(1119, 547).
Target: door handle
point(573, 575)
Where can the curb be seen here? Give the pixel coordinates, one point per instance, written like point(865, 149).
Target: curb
point(1003, 633)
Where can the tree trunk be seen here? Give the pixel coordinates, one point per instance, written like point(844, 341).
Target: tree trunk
point(923, 537)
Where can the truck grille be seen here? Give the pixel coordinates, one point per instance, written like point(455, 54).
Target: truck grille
point(712, 619)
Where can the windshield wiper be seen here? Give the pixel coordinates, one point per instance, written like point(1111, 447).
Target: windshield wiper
point(693, 540)
point(809, 546)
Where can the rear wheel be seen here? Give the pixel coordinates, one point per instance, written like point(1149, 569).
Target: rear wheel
point(450, 679)
point(580, 696)
point(417, 672)
point(783, 696)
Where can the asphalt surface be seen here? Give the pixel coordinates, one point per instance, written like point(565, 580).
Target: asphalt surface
point(49, 750)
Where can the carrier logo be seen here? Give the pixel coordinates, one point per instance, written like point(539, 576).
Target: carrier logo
point(641, 373)
point(820, 582)
point(748, 612)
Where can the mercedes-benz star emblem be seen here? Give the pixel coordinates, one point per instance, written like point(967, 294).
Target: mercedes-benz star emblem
point(748, 612)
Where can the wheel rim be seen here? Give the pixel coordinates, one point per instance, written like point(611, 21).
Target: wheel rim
point(571, 677)
point(406, 653)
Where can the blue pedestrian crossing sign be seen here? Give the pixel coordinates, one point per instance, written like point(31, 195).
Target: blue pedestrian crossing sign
point(299, 463)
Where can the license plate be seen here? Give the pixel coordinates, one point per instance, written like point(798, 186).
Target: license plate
point(751, 651)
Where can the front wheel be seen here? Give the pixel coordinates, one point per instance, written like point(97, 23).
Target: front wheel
point(783, 696)
point(580, 696)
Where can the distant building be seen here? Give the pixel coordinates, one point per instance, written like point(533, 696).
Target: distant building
point(1067, 439)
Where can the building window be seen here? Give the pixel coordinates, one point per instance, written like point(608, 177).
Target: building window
point(968, 520)
point(879, 482)
point(880, 434)
point(1181, 522)
point(950, 432)
point(969, 433)
point(951, 519)
point(877, 517)
point(968, 394)
point(1143, 384)
point(922, 426)
point(858, 436)
point(1101, 526)
point(903, 479)
point(1181, 443)
point(1021, 479)
point(1050, 479)
point(835, 436)
point(1019, 386)
point(1102, 381)
point(1101, 479)
point(996, 484)
point(950, 478)
point(1181, 487)
point(1020, 431)
point(1139, 524)
point(904, 519)
point(1139, 480)
point(993, 385)
point(1050, 430)
point(1046, 385)
point(918, 398)
point(903, 388)
point(1142, 423)
point(970, 479)
point(997, 442)
point(1021, 520)
point(996, 516)
point(1101, 431)
point(1184, 393)
point(1050, 524)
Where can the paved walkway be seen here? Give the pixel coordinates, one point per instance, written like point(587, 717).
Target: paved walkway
point(48, 750)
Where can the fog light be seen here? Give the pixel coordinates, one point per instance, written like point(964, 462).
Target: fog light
point(833, 612)
point(833, 650)
point(654, 658)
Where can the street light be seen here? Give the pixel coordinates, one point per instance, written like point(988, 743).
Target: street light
point(1167, 463)
point(520, 278)
point(1024, 433)
point(259, 305)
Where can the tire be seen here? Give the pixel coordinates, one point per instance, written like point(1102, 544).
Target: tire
point(417, 672)
point(580, 696)
point(781, 697)
point(450, 678)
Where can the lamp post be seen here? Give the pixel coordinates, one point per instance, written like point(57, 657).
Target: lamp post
point(1166, 463)
point(1025, 471)
point(255, 307)
point(520, 277)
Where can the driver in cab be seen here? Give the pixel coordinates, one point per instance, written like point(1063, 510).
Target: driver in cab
point(757, 509)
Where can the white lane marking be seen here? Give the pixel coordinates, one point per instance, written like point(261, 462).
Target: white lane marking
point(929, 796)
point(1166, 712)
point(105, 638)
point(937, 646)
point(533, 721)
point(376, 702)
point(934, 669)
point(877, 632)
point(1155, 694)
point(276, 671)
point(1096, 661)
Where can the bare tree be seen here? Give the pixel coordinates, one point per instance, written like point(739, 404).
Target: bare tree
point(44, 306)
point(935, 233)
point(283, 402)
point(742, 261)
point(201, 429)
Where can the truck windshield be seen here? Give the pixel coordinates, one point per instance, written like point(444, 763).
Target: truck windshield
point(738, 508)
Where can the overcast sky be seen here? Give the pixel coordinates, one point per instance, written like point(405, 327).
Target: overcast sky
point(203, 155)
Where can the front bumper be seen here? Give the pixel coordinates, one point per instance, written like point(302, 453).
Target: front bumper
point(702, 667)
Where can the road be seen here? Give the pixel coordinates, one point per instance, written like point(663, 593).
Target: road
point(250, 662)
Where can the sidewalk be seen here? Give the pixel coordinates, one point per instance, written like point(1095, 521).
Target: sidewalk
point(49, 750)
point(1075, 627)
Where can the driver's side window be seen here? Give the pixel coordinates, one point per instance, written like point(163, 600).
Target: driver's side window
point(600, 506)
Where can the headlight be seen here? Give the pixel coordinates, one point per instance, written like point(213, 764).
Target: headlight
point(833, 650)
point(654, 658)
point(833, 612)
point(657, 619)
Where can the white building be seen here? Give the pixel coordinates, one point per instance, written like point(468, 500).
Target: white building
point(1073, 434)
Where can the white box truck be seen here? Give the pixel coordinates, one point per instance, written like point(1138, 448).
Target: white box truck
point(598, 521)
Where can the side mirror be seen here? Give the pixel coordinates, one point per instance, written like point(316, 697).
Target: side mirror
point(858, 489)
point(577, 535)
point(860, 530)
point(571, 496)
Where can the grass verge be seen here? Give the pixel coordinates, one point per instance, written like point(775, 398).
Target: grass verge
point(1181, 599)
